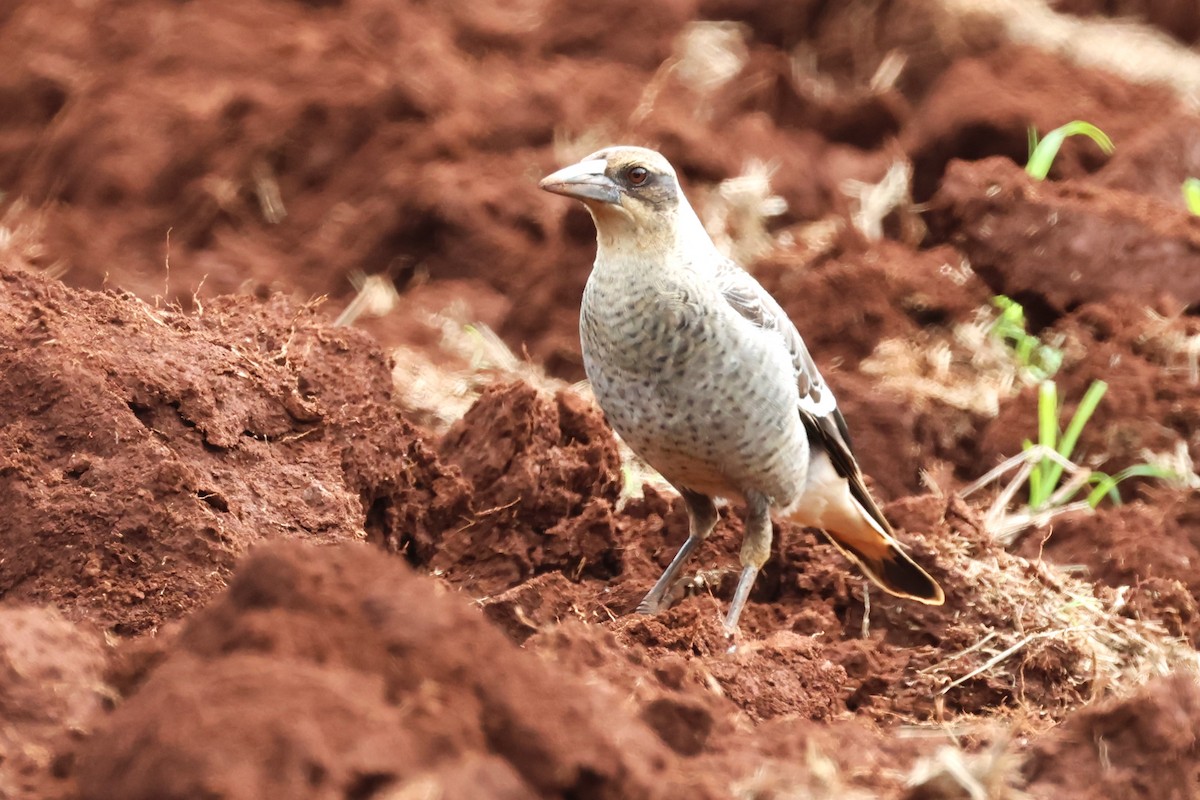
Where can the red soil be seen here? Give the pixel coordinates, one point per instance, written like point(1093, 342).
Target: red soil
point(231, 564)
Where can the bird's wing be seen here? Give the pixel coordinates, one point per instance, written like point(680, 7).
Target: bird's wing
point(823, 421)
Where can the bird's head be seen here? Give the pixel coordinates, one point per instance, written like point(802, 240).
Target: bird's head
point(630, 191)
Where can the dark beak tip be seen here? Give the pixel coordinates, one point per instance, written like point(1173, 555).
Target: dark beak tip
point(555, 187)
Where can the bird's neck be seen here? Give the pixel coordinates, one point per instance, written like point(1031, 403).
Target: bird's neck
point(677, 241)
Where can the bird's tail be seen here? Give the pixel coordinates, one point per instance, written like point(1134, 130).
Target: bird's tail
point(881, 558)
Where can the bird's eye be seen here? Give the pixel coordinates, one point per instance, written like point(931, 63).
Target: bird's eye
point(637, 175)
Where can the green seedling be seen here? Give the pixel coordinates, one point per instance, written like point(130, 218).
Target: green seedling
point(1191, 195)
point(1039, 359)
point(1043, 153)
point(1044, 477)
point(1046, 474)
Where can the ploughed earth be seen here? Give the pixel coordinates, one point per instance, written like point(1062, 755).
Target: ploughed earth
point(301, 497)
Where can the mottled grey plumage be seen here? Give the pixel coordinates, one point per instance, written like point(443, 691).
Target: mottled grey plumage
point(703, 375)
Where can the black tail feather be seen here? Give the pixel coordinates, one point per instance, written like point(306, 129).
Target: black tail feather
point(896, 573)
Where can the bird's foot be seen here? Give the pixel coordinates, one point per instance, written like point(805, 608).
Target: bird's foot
point(648, 606)
point(663, 596)
point(740, 595)
point(656, 600)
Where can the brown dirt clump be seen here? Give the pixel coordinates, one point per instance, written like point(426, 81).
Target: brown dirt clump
point(396, 683)
point(1151, 545)
point(144, 449)
point(545, 475)
point(1026, 239)
point(52, 691)
point(1143, 745)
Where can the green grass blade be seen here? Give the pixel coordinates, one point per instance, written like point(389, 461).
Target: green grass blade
point(1107, 485)
point(1191, 195)
point(1087, 407)
point(1047, 149)
point(1041, 489)
point(1039, 359)
point(1066, 445)
point(1024, 350)
point(1048, 414)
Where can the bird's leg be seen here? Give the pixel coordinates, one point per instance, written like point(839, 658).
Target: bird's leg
point(756, 549)
point(702, 518)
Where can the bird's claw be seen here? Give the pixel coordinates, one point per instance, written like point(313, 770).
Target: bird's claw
point(650, 604)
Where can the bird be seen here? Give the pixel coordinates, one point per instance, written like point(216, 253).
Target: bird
point(702, 373)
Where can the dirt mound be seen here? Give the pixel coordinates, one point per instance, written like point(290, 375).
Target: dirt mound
point(1025, 237)
point(401, 686)
point(1140, 746)
point(545, 477)
point(330, 636)
point(1157, 160)
point(1150, 545)
point(52, 690)
point(1024, 87)
point(145, 449)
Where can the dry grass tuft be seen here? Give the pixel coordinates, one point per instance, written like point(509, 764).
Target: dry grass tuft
point(1177, 462)
point(876, 201)
point(437, 389)
point(1165, 340)
point(710, 54)
point(1033, 624)
point(966, 367)
point(736, 211)
point(952, 774)
point(21, 240)
point(570, 148)
point(376, 297)
point(818, 778)
point(1004, 525)
point(706, 56)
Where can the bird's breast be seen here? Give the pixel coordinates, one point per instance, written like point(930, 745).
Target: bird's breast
point(698, 392)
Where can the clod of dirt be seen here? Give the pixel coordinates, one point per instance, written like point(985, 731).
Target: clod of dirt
point(546, 473)
point(1023, 87)
point(1146, 545)
point(1157, 160)
point(337, 672)
point(52, 692)
point(896, 292)
point(144, 449)
point(1142, 745)
point(1056, 245)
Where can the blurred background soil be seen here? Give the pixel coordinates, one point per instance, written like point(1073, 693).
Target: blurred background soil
point(248, 552)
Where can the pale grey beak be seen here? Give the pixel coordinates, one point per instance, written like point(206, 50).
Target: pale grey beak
point(584, 181)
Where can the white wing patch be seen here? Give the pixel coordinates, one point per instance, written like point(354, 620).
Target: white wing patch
point(848, 496)
point(752, 301)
